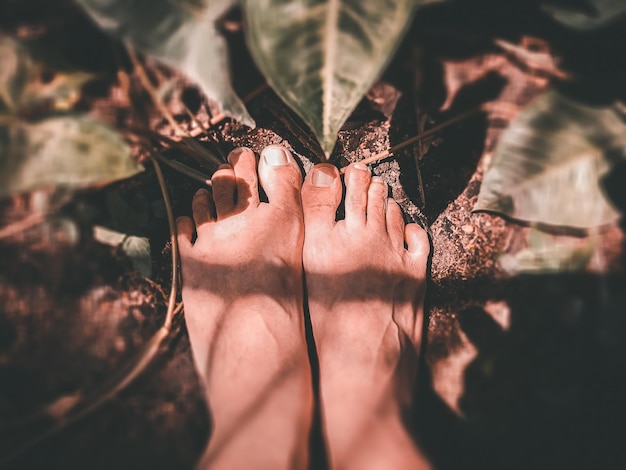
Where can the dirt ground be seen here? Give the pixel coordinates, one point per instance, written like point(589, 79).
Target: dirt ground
point(518, 372)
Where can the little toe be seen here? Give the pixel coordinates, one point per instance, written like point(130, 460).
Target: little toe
point(418, 246)
point(243, 161)
point(321, 195)
point(395, 223)
point(357, 183)
point(224, 187)
point(203, 208)
point(377, 204)
point(281, 178)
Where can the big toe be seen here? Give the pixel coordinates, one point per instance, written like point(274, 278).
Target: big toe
point(280, 178)
point(321, 195)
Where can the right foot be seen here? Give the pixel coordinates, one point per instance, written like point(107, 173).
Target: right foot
point(365, 279)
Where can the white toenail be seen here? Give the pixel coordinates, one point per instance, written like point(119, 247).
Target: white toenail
point(360, 167)
point(276, 156)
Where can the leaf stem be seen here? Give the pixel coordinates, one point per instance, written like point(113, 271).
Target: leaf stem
point(145, 358)
point(417, 138)
point(147, 84)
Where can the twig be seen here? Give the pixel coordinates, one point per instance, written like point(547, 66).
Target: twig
point(147, 84)
point(417, 138)
point(143, 361)
point(167, 324)
point(21, 225)
point(184, 169)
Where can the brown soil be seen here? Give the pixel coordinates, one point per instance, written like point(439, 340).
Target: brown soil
point(518, 371)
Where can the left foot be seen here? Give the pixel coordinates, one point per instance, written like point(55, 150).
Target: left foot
point(243, 294)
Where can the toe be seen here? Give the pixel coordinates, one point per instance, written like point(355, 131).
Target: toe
point(224, 186)
point(377, 204)
point(357, 182)
point(321, 194)
point(418, 246)
point(184, 230)
point(281, 178)
point(395, 223)
point(243, 161)
point(203, 208)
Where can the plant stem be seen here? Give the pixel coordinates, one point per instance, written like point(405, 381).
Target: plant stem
point(145, 358)
point(147, 84)
point(417, 138)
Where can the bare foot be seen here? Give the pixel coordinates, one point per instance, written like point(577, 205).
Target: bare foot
point(366, 293)
point(242, 288)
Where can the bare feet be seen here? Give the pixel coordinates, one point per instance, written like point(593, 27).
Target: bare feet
point(366, 293)
point(242, 288)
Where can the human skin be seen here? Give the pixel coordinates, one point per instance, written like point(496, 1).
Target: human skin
point(243, 294)
point(365, 278)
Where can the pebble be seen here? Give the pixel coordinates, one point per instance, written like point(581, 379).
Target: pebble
point(468, 229)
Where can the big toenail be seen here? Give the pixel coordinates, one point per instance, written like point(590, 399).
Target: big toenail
point(232, 156)
point(275, 156)
point(323, 177)
point(361, 167)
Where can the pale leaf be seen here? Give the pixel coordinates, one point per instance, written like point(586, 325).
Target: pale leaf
point(179, 33)
point(547, 165)
point(71, 151)
point(322, 56)
point(585, 14)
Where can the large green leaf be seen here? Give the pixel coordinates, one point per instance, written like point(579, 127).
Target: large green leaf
point(547, 165)
point(321, 56)
point(181, 33)
point(72, 151)
point(585, 14)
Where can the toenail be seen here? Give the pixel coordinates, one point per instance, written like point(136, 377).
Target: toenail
point(323, 177)
point(377, 179)
point(202, 192)
point(360, 167)
point(276, 156)
point(232, 156)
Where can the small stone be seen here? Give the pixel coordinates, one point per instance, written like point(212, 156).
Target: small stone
point(468, 229)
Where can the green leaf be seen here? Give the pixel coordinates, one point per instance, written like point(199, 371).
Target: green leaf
point(180, 33)
point(585, 14)
point(549, 254)
point(22, 84)
point(71, 151)
point(321, 56)
point(547, 165)
point(136, 248)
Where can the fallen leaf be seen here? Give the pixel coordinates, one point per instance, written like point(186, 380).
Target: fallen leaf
point(179, 33)
point(63, 150)
point(548, 163)
point(585, 14)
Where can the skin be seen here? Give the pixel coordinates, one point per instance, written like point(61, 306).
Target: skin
point(242, 265)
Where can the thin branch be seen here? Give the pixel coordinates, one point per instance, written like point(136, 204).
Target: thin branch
point(22, 225)
point(147, 84)
point(417, 138)
point(184, 169)
point(167, 324)
point(143, 361)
